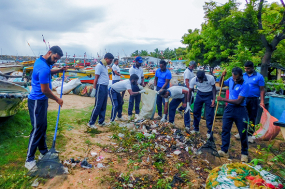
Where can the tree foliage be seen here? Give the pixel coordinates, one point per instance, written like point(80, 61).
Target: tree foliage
point(230, 35)
point(167, 53)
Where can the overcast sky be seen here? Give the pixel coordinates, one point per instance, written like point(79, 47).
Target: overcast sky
point(92, 26)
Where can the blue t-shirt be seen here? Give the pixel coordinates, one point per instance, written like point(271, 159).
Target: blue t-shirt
point(41, 75)
point(162, 76)
point(255, 81)
point(237, 90)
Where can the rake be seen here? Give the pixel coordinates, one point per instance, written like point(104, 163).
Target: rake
point(210, 147)
point(49, 165)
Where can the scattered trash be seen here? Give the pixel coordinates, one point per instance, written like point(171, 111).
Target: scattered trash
point(121, 135)
point(65, 170)
point(93, 154)
point(100, 165)
point(100, 158)
point(85, 164)
point(35, 183)
point(177, 152)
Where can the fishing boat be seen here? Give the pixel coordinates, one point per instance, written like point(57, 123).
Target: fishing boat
point(11, 96)
point(8, 68)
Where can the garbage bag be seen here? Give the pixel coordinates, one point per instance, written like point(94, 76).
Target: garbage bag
point(68, 87)
point(148, 100)
point(267, 131)
point(241, 175)
point(83, 89)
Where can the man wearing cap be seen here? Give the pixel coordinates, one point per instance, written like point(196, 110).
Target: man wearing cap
point(256, 84)
point(206, 94)
point(178, 94)
point(38, 102)
point(236, 112)
point(161, 81)
point(188, 75)
point(116, 98)
point(100, 91)
point(136, 69)
point(116, 76)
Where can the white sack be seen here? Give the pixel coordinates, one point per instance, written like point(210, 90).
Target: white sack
point(68, 87)
point(148, 100)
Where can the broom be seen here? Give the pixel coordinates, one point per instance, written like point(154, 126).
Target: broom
point(210, 146)
point(49, 165)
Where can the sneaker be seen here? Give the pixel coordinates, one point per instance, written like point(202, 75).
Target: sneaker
point(40, 156)
point(103, 124)
point(92, 126)
point(129, 117)
point(120, 119)
point(30, 165)
point(223, 154)
point(244, 158)
point(136, 116)
point(194, 132)
point(237, 136)
point(251, 139)
point(208, 135)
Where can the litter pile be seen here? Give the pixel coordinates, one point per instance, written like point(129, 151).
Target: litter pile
point(241, 175)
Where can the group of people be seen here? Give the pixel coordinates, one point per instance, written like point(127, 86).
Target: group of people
point(244, 92)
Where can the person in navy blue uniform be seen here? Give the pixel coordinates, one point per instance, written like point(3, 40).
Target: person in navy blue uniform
point(161, 81)
point(256, 84)
point(136, 69)
point(236, 112)
point(38, 102)
point(100, 91)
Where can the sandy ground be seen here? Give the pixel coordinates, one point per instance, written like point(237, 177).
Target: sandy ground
point(77, 147)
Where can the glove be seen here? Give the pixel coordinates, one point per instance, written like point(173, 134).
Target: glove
point(140, 87)
point(93, 93)
point(142, 91)
point(187, 108)
point(163, 118)
point(154, 88)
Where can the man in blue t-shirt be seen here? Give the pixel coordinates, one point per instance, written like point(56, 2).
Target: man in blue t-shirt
point(38, 102)
point(161, 81)
point(256, 84)
point(236, 112)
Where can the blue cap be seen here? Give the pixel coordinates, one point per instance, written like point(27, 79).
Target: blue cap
point(139, 59)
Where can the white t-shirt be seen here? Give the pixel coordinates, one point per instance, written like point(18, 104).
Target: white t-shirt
point(176, 92)
point(188, 74)
point(116, 68)
point(122, 86)
point(206, 86)
point(138, 71)
point(101, 70)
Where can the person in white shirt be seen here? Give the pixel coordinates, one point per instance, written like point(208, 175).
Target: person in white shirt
point(136, 69)
point(116, 98)
point(116, 76)
point(178, 94)
point(188, 75)
point(206, 94)
point(100, 91)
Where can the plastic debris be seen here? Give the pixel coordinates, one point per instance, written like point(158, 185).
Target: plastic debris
point(100, 158)
point(93, 154)
point(35, 183)
point(85, 164)
point(177, 152)
point(65, 170)
point(121, 135)
point(100, 165)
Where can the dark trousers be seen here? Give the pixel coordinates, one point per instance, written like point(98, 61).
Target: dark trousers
point(117, 105)
point(237, 114)
point(115, 81)
point(38, 116)
point(201, 99)
point(159, 102)
point(99, 109)
point(252, 105)
point(134, 99)
point(172, 110)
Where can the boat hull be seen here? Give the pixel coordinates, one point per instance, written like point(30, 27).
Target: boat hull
point(9, 107)
point(10, 68)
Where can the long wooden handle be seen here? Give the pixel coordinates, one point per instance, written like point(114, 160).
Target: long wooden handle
point(221, 87)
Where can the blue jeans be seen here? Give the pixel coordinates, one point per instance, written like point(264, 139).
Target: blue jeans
point(201, 99)
point(237, 114)
point(38, 116)
point(172, 110)
point(117, 106)
point(101, 98)
point(134, 99)
point(159, 102)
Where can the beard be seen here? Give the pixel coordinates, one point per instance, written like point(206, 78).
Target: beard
point(49, 61)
